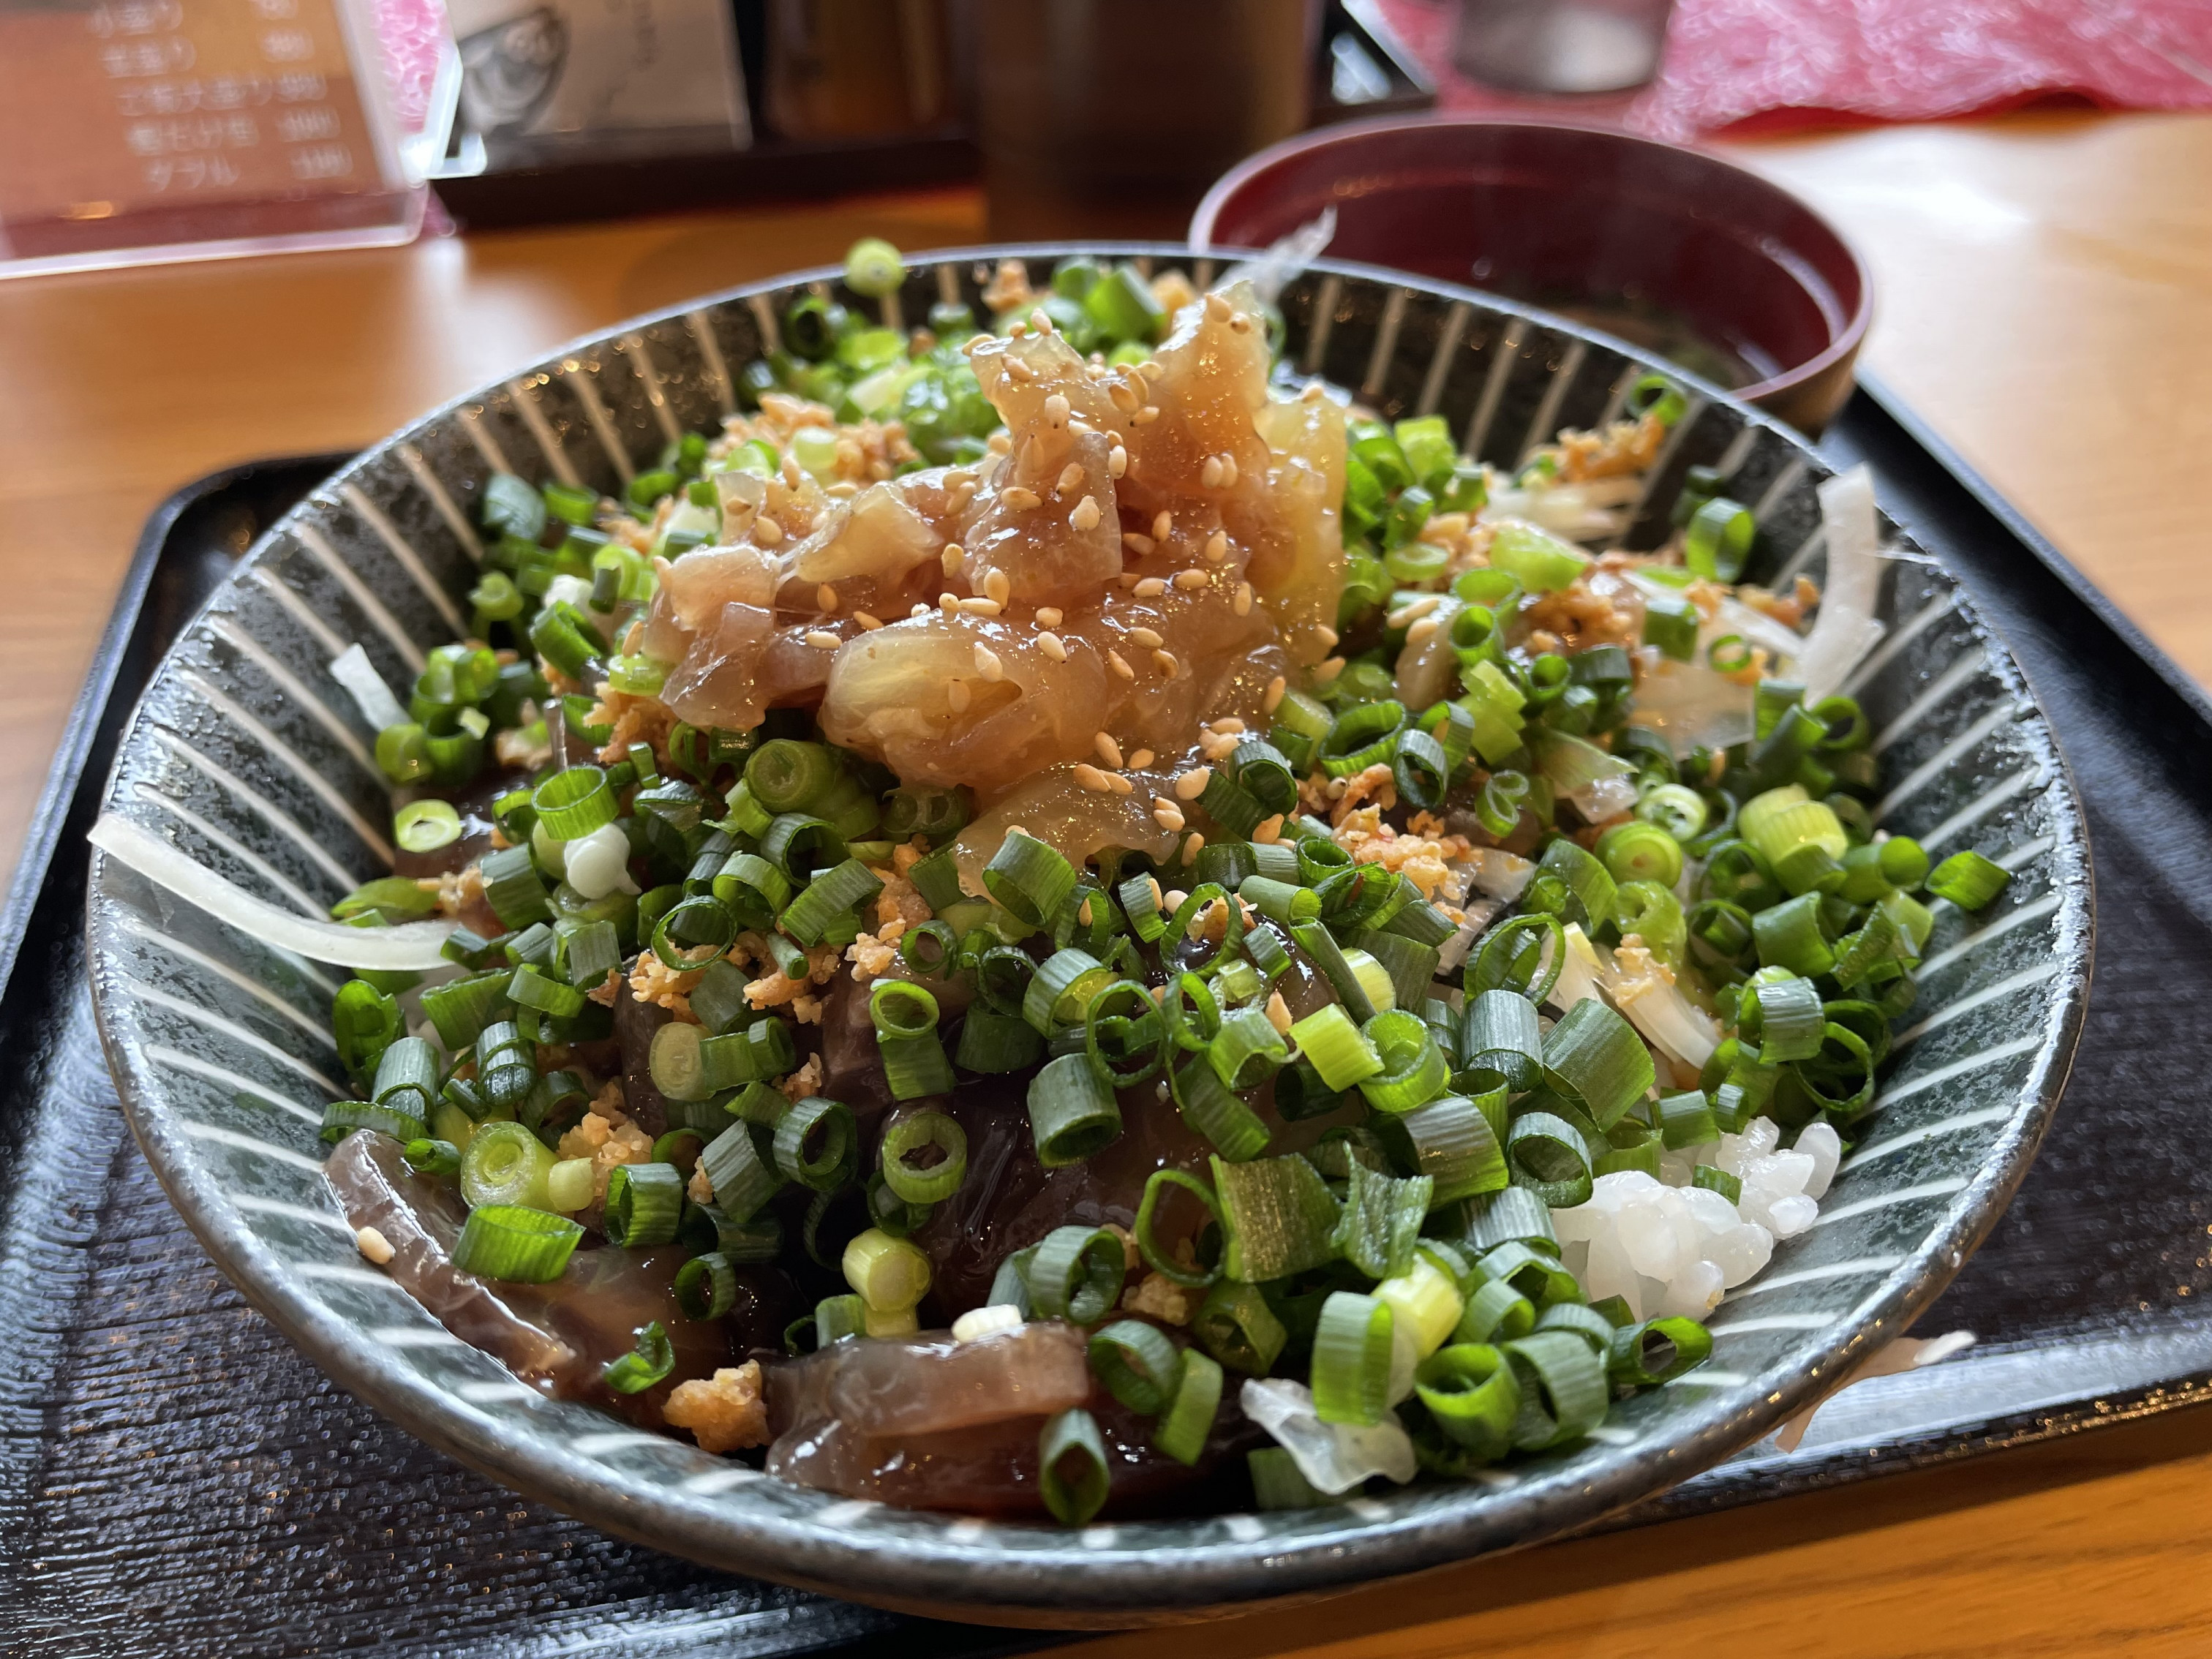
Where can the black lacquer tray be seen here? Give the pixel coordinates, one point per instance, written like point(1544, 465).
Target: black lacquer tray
point(175, 1479)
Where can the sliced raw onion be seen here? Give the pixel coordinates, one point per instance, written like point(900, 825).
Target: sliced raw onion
point(1846, 627)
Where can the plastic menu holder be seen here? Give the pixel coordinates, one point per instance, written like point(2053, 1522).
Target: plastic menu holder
point(133, 131)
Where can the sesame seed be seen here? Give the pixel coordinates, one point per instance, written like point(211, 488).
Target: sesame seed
point(998, 587)
point(1327, 636)
point(1240, 324)
point(866, 621)
point(1140, 759)
point(1016, 329)
point(1093, 779)
point(1053, 647)
point(1242, 603)
point(1192, 849)
point(1274, 700)
point(917, 613)
point(1019, 500)
point(1114, 661)
point(1150, 587)
point(1191, 581)
point(1055, 411)
point(1163, 525)
point(1209, 474)
point(825, 597)
point(1152, 882)
point(1126, 397)
point(1117, 461)
point(982, 607)
point(1145, 416)
point(1226, 723)
point(1047, 615)
point(1164, 660)
point(1216, 307)
point(373, 1245)
point(1192, 784)
point(1173, 902)
point(956, 695)
point(1166, 813)
point(1327, 670)
point(1109, 750)
point(1268, 830)
point(791, 474)
point(1413, 611)
point(767, 532)
point(1000, 442)
point(1017, 368)
point(1074, 425)
point(1279, 1012)
point(1228, 471)
point(1217, 547)
point(949, 604)
point(950, 559)
point(1040, 320)
point(1216, 745)
point(1070, 477)
point(1422, 631)
point(1085, 516)
point(634, 641)
point(1083, 913)
point(1146, 637)
point(1139, 545)
point(1150, 369)
point(1128, 579)
point(822, 640)
point(1121, 785)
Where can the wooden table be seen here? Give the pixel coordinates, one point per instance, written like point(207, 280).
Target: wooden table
point(2044, 298)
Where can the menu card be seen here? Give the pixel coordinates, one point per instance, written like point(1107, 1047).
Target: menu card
point(130, 129)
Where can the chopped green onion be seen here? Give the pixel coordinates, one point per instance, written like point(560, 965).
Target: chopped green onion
point(1783, 1014)
point(643, 1203)
point(808, 917)
point(1496, 1312)
point(706, 1286)
point(1236, 1326)
point(1162, 1260)
point(1351, 1357)
point(1183, 1427)
point(504, 1163)
point(996, 1043)
point(1449, 1142)
point(1968, 880)
point(432, 1158)
point(1277, 1218)
point(1563, 1388)
point(1595, 1059)
point(918, 1135)
point(1336, 1048)
point(1278, 1484)
point(1515, 954)
point(1381, 1221)
point(1539, 560)
point(519, 1245)
point(816, 1144)
point(1718, 539)
point(1473, 1396)
point(1659, 1351)
point(1413, 1070)
point(1247, 1051)
point(1077, 1274)
point(1207, 1106)
point(1137, 1362)
point(1062, 989)
point(1073, 1112)
point(889, 1274)
point(1071, 1475)
point(1549, 1157)
point(1030, 879)
point(1714, 1179)
point(1124, 1035)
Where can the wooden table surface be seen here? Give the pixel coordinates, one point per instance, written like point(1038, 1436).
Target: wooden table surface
point(2044, 298)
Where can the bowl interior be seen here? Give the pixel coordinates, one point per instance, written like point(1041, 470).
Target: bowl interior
point(1676, 252)
point(247, 754)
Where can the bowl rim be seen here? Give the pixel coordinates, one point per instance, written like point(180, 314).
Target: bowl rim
point(1841, 347)
point(1077, 1584)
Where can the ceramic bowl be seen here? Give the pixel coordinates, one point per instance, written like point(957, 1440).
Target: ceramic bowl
point(247, 754)
point(1665, 245)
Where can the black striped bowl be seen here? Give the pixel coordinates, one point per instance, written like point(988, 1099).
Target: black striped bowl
point(245, 752)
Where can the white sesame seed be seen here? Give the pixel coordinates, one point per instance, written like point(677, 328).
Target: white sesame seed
point(843, 490)
point(1139, 545)
point(1150, 369)
point(918, 613)
point(1413, 610)
point(949, 560)
point(1093, 779)
point(1126, 397)
point(767, 532)
point(1240, 324)
point(1128, 579)
point(1166, 813)
point(1140, 759)
point(1047, 615)
point(1423, 630)
point(1327, 636)
point(1146, 637)
point(1117, 461)
point(825, 597)
point(1279, 1012)
point(1327, 670)
point(1070, 477)
point(1019, 500)
point(1017, 368)
point(1150, 587)
point(866, 621)
point(1192, 784)
point(1209, 474)
point(1226, 723)
point(373, 1245)
point(1217, 547)
point(1228, 471)
point(1145, 416)
point(998, 587)
point(1121, 785)
point(956, 694)
point(1164, 661)
point(1242, 603)
point(949, 604)
point(1268, 830)
point(1040, 320)
point(1074, 425)
point(1216, 745)
point(1055, 411)
point(1114, 661)
point(1192, 849)
point(982, 607)
point(1218, 308)
point(1085, 516)
point(1109, 750)
point(1173, 902)
point(822, 640)
point(1083, 913)
point(1016, 329)
point(1274, 700)
point(1000, 442)
point(1163, 525)
point(1053, 647)
point(1191, 581)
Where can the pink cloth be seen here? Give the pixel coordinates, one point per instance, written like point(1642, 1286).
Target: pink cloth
point(1773, 65)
